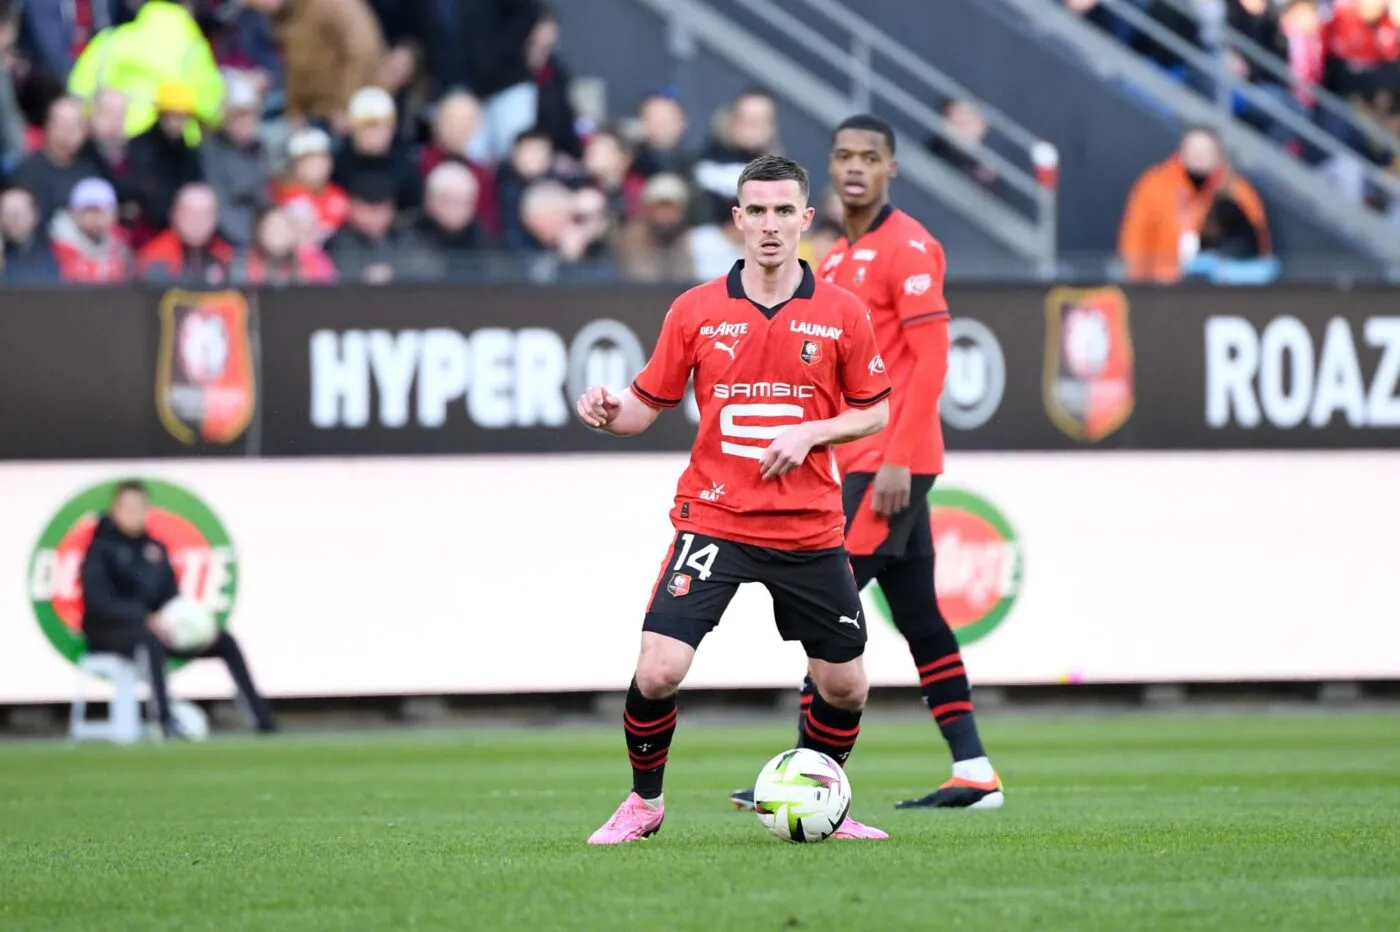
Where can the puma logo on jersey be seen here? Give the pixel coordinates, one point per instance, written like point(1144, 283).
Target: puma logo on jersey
point(724, 330)
point(919, 245)
point(727, 347)
point(816, 330)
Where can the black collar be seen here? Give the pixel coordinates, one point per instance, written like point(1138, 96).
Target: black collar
point(880, 218)
point(805, 288)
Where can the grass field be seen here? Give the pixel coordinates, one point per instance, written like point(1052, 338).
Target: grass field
point(1131, 823)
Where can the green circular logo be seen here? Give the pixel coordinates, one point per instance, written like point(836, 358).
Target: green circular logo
point(199, 547)
point(979, 564)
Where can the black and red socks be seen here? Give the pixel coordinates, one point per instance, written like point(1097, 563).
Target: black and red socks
point(649, 725)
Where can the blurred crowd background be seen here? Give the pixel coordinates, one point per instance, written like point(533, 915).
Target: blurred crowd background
point(376, 141)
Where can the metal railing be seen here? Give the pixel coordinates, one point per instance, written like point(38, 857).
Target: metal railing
point(1034, 237)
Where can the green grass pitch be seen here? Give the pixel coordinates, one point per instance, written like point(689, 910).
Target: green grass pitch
point(1121, 823)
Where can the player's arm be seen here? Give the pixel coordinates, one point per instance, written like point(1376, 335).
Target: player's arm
point(865, 389)
point(661, 384)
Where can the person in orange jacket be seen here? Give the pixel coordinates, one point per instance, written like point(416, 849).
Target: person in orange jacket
point(1169, 203)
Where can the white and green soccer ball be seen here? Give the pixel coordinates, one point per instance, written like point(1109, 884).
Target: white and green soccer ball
point(186, 625)
point(802, 795)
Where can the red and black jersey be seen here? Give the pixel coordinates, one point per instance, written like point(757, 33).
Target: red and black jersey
point(897, 269)
point(759, 371)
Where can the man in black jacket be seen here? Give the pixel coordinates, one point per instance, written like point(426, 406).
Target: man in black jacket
point(127, 579)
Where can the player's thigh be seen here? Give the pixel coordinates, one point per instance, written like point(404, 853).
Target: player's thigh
point(844, 685)
point(697, 580)
point(815, 601)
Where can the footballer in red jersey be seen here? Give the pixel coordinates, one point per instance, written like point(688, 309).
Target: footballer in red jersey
point(894, 266)
point(785, 369)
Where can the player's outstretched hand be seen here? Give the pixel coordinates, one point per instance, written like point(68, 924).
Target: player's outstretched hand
point(598, 407)
point(786, 453)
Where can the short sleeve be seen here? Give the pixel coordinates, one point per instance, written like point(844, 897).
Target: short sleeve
point(863, 379)
point(661, 383)
point(916, 274)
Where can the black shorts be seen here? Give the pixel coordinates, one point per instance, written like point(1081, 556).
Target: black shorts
point(815, 599)
point(903, 534)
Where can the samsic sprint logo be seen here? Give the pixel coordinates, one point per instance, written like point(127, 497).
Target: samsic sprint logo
point(1088, 387)
point(205, 562)
point(978, 565)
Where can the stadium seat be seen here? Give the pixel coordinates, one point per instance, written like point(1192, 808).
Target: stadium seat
point(124, 721)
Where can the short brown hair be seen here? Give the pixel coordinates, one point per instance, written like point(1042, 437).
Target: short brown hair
point(776, 168)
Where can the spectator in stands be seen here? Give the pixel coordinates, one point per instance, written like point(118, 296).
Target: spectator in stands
point(191, 250)
point(495, 34)
point(107, 126)
point(368, 249)
point(11, 117)
point(1167, 208)
point(57, 32)
point(162, 160)
point(331, 49)
point(530, 161)
point(655, 247)
point(309, 183)
point(448, 233)
point(275, 257)
point(748, 130)
point(1231, 251)
point(375, 148)
point(568, 225)
point(1362, 41)
point(233, 162)
point(163, 44)
point(28, 258)
point(607, 162)
point(715, 247)
point(663, 124)
point(85, 237)
point(966, 127)
point(555, 111)
point(455, 123)
point(51, 173)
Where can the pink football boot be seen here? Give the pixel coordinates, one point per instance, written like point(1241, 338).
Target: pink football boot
point(853, 829)
point(634, 820)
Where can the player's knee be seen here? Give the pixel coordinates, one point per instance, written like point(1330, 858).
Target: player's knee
point(844, 685)
point(662, 666)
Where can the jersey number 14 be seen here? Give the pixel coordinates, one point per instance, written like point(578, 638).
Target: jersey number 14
point(701, 561)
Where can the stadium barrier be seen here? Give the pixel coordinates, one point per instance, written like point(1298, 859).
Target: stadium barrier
point(1122, 506)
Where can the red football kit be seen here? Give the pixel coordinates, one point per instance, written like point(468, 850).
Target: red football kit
point(896, 269)
point(758, 372)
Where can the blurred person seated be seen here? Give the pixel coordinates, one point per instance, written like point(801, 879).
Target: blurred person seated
point(607, 163)
point(163, 44)
point(1229, 251)
point(55, 33)
point(24, 245)
point(107, 124)
point(375, 148)
point(1362, 42)
point(655, 247)
point(162, 160)
point(1168, 204)
point(277, 256)
point(331, 50)
point(190, 252)
point(85, 237)
point(966, 127)
point(715, 247)
point(309, 182)
point(495, 35)
point(455, 122)
point(748, 129)
point(663, 122)
point(12, 124)
point(530, 161)
point(554, 111)
point(64, 159)
point(127, 578)
point(570, 225)
point(368, 249)
point(448, 232)
point(234, 164)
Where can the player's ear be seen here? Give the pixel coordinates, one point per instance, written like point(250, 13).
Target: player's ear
point(736, 211)
point(894, 168)
point(807, 216)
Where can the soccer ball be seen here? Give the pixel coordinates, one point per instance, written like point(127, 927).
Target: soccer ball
point(187, 626)
point(802, 795)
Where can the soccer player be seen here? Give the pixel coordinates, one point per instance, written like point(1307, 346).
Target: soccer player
point(896, 268)
point(785, 368)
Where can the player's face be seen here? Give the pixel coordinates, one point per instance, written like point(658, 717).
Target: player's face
point(861, 167)
point(772, 215)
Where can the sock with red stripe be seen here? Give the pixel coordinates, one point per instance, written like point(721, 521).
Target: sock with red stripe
point(828, 729)
point(649, 725)
point(947, 693)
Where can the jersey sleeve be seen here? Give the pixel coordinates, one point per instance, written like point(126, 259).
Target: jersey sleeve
point(916, 275)
point(863, 379)
point(661, 383)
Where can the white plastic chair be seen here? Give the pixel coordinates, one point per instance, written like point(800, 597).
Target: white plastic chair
point(125, 722)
